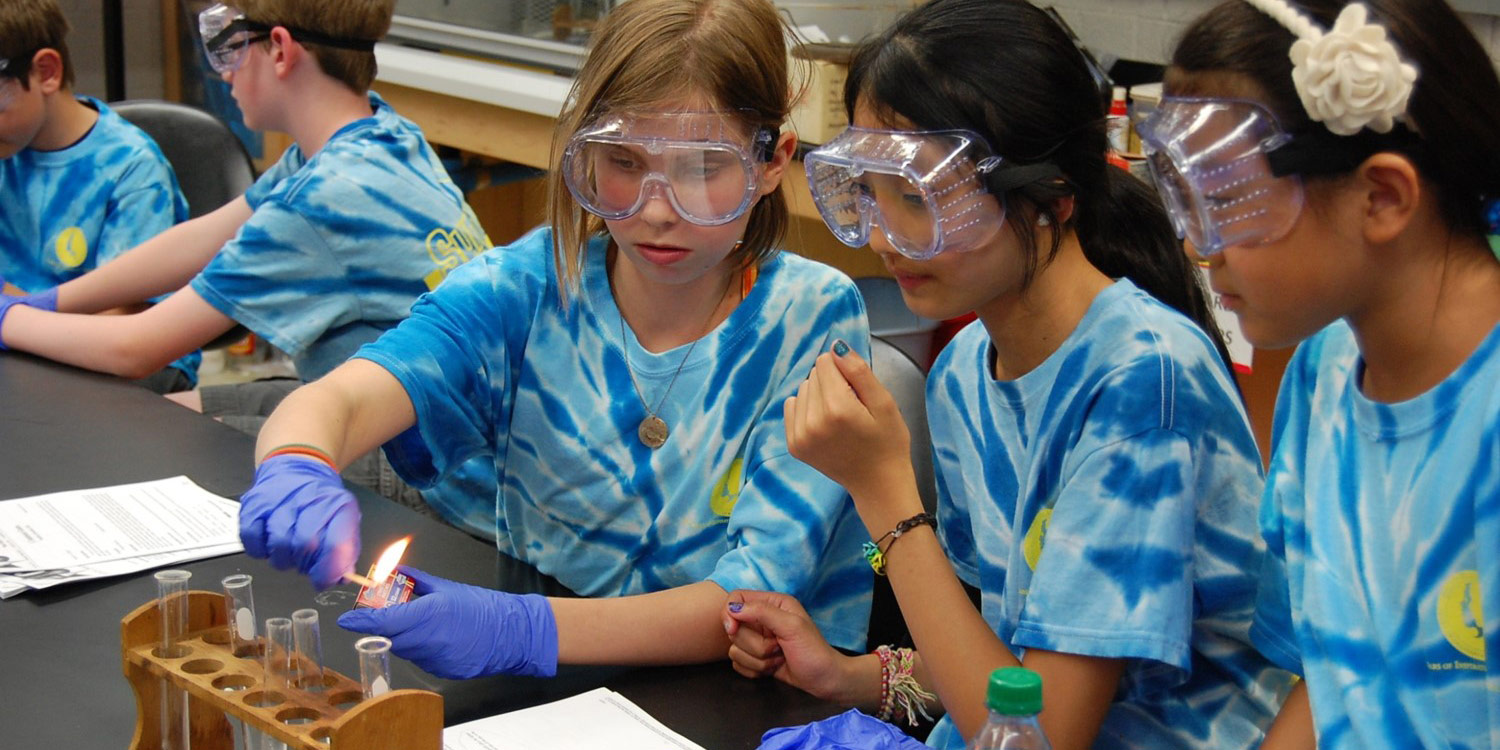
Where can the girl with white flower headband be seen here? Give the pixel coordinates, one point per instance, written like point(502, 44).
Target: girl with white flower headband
point(1336, 166)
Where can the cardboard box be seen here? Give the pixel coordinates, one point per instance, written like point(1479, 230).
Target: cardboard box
point(818, 114)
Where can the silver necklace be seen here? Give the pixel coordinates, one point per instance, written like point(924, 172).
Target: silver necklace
point(653, 430)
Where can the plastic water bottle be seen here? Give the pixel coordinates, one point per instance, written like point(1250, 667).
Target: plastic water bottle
point(1014, 699)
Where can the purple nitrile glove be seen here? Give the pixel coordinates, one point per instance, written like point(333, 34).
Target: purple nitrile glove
point(299, 515)
point(41, 300)
point(850, 730)
point(6, 303)
point(459, 631)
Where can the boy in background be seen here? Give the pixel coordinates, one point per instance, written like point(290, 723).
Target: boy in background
point(79, 184)
point(329, 248)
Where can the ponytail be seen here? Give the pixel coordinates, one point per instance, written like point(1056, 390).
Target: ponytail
point(1126, 233)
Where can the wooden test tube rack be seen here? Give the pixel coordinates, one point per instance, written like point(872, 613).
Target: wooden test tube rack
point(221, 685)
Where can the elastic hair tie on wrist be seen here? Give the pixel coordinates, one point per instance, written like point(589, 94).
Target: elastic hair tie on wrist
point(875, 554)
point(301, 449)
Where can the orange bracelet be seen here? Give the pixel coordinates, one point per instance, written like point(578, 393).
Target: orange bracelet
point(301, 449)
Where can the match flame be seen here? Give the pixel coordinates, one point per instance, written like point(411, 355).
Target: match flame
point(388, 559)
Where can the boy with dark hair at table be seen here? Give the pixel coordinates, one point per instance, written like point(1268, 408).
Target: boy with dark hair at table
point(326, 250)
point(80, 185)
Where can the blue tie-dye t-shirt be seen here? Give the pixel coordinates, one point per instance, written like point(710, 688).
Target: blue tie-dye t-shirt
point(1382, 522)
point(541, 399)
point(69, 211)
point(1104, 504)
point(342, 243)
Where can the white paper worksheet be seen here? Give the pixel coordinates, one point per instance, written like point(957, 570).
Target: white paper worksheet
point(75, 535)
point(598, 718)
point(16, 583)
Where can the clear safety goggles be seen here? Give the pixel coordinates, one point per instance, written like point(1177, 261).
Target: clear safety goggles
point(227, 35)
point(1216, 164)
point(927, 190)
point(699, 161)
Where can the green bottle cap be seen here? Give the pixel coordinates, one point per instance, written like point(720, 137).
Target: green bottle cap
point(1015, 691)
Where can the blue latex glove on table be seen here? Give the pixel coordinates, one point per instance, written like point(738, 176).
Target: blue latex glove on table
point(850, 730)
point(46, 300)
point(459, 631)
point(299, 515)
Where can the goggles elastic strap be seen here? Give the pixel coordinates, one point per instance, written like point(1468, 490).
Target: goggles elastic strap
point(1318, 152)
point(765, 144)
point(1010, 177)
point(312, 37)
point(17, 67)
point(303, 36)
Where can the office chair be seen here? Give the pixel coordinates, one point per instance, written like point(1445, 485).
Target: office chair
point(904, 378)
point(212, 165)
point(906, 381)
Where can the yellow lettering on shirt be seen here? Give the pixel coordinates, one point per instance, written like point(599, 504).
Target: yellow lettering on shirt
point(450, 249)
point(72, 247)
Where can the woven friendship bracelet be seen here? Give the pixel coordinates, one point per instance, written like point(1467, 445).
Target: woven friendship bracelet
point(875, 554)
point(887, 672)
point(901, 696)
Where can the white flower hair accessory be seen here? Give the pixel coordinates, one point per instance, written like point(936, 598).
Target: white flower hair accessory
point(1350, 77)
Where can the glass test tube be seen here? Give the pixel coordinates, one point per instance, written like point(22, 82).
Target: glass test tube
point(374, 664)
point(171, 605)
point(309, 650)
point(239, 600)
point(239, 606)
point(280, 670)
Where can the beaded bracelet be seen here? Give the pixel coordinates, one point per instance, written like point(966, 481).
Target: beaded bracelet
point(887, 670)
point(875, 554)
point(901, 696)
point(300, 449)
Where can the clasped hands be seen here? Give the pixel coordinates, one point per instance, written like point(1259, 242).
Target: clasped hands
point(844, 423)
point(771, 635)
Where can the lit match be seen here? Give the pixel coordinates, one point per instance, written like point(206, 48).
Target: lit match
point(384, 586)
point(389, 559)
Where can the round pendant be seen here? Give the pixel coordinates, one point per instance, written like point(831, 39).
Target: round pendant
point(653, 432)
